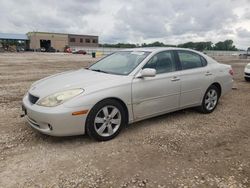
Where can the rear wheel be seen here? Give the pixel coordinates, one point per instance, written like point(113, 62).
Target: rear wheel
point(247, 79)
point(105, 120)
point(210, 100)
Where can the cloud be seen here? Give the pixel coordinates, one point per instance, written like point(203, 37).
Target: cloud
point(172, 21)
point(243, 33)
point(246, 14)
point(46, 15)
point(170, 18)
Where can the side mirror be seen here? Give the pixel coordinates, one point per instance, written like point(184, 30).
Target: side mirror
point(147, 72)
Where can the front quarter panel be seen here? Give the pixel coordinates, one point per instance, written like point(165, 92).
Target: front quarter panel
point(119, 89)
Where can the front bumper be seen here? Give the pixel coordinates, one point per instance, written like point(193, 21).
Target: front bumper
point(55, 121)
point(247, 74)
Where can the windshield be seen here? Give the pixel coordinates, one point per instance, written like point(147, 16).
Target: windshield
point(120, 62)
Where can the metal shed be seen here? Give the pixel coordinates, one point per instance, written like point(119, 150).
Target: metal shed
point(9, 36)
point(13, 42)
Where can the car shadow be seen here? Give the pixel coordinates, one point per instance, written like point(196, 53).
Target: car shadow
point(63, 139)
point(158, 119)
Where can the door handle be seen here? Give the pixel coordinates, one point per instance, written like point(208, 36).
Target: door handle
point(175, 78)
point(208, 73)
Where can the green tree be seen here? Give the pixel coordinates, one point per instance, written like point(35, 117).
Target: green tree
point(200, 46)
point(157, 44)
point(227, 45)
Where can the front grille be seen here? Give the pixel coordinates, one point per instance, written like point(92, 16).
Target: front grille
point(248, 74)
point(33, 99)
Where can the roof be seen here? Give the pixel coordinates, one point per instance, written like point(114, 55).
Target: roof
point(13, 36)
point(41, 32)
point(160, 49)
point(51, 33)
point(153, 49)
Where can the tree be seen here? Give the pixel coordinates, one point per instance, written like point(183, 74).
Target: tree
point(227, 45)
point(200, 46)
point(119, 45)
point(157, 44)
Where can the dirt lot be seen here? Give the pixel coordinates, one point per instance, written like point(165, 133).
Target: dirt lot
point(181, 149)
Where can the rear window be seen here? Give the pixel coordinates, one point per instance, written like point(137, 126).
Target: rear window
point(190, 60)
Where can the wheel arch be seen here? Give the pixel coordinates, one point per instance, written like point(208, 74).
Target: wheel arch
point(216, 84)
point(123, 105)
point(118, 100)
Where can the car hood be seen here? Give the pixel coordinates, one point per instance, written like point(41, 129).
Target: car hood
point(88, 80)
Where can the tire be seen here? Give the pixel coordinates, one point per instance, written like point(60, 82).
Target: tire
point(247, 79)
point(210, 100)
point(105, 120)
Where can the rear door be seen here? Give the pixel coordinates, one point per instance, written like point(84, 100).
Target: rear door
point(195, 77)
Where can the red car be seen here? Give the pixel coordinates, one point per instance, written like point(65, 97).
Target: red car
point(68, 50)
point(80, 52)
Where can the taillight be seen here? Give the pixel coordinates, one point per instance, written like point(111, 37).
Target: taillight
point(231, 72)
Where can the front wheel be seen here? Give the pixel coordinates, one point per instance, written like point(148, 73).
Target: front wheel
point(210, 100)
point(105, 120)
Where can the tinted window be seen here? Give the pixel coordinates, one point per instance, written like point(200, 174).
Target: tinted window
point(163, 62)
point(72, 39)
point(190, 60)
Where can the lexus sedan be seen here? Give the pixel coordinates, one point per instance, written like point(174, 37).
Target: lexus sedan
point(247, 72)
point(125, 87)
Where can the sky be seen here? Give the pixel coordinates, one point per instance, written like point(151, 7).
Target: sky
point(133, 21)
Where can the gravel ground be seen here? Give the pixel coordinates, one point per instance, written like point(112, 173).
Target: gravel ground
point(181, 149)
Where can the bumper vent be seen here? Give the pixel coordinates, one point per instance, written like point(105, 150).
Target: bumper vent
point(33, 99)
point(248, 74)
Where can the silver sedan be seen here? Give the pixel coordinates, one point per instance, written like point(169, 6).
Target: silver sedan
point(125, 87)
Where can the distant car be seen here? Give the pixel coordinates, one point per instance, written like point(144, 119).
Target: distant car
point(20, 49)
point(43, 49)
point(247, 72)
point(80, 52)
point(125, 87)
point(51, 49)
point(68, 50)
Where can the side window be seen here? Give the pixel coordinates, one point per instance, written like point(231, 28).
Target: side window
point(163, 62)
point(190, 60)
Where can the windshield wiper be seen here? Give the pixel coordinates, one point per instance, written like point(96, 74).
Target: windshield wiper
point(98, 70)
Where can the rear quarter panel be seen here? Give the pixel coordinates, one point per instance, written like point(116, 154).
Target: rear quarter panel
point(222, 76)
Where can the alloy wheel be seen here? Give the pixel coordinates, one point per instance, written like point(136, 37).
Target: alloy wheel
point(211, 99)
point(107, 121)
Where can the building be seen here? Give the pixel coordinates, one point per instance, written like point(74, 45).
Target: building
point(58, 41)
point(46, 40)
point(83, 41)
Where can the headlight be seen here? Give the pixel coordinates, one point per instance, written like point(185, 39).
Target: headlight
point(59, 98)
point(248, 66)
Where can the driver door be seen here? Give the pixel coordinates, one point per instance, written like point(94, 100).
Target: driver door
point(160, 94)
